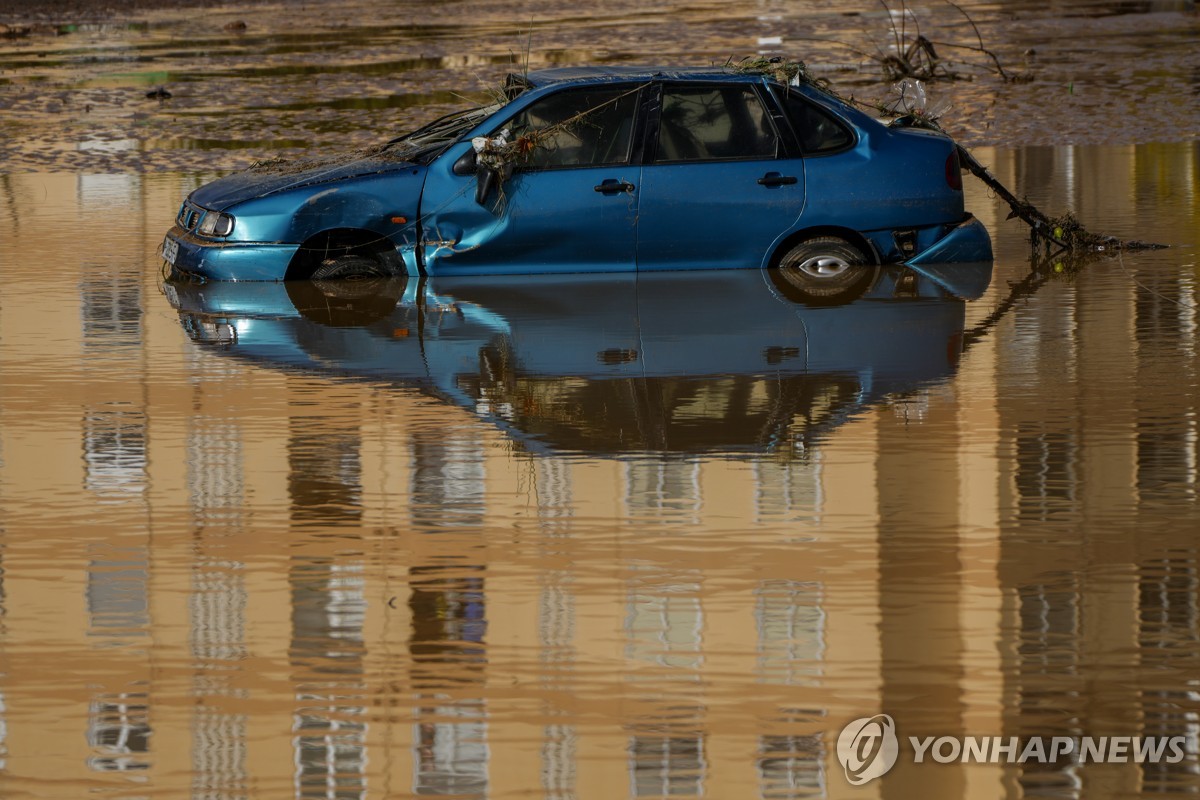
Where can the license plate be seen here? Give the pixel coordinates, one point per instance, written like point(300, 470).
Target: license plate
point(170, 250)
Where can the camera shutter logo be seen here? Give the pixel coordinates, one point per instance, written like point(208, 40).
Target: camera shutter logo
point(868, 748)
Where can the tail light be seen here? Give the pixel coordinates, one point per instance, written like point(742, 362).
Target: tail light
point(953, 171)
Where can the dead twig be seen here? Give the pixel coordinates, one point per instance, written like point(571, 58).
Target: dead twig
point(1064, 232)
point(919, 60)
point(778, 67)
point(915, 55)
point(979, 39)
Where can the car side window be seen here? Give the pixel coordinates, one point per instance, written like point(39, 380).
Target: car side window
point(817, 129)
point(577, 128)
point(714, 124)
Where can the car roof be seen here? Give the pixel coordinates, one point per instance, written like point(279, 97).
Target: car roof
point(603, 74)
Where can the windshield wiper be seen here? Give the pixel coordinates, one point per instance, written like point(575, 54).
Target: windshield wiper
point(453, 125)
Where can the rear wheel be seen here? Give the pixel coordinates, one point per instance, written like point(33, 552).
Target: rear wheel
point(824, 270)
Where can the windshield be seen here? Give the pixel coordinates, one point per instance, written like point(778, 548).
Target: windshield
point(425, 143)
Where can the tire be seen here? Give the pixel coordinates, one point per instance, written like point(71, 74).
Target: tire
point(350, 268)
point(825, 271)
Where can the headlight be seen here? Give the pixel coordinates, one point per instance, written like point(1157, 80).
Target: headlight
point(215, 224)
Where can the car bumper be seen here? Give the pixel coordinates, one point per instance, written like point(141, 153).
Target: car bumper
point(967, 242)
point(226, 261)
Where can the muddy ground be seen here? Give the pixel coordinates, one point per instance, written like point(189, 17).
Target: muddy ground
point(135, 85)
point(16, 12)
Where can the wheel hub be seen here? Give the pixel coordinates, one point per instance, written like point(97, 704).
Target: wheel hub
point(823, 266)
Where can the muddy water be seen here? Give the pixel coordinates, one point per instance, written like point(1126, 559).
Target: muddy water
point(612, 537)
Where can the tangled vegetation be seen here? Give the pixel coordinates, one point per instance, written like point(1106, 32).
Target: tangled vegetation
point(1064, 232)
point(909, 53)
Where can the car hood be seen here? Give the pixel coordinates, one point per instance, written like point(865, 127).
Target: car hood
point(273, 177)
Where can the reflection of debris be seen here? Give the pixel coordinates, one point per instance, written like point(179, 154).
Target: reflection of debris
point(911, 407)
point(1043, 268)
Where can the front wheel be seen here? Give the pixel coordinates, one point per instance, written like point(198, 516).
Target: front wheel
point(350, 268)
point(824, 270)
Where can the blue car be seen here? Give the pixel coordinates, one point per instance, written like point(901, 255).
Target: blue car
point(602, 169)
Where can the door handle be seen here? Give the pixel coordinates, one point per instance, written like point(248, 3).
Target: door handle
point(612, 186)
point(775, 179)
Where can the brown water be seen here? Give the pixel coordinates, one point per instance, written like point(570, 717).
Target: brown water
point(465, 545)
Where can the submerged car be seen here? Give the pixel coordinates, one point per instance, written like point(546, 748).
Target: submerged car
point(601, 169)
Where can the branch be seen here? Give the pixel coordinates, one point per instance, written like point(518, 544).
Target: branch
point(978, 36)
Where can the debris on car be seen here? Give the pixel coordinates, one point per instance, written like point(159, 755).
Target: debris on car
point(602, 169)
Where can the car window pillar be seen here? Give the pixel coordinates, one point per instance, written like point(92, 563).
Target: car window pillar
point(646, 149)
point(772, 98)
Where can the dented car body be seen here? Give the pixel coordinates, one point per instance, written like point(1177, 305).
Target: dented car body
point(603, 169)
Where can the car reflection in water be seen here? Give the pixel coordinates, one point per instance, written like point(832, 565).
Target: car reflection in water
point(717, 361)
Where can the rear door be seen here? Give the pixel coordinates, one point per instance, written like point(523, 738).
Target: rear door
point(569, 206)
point(720, 184)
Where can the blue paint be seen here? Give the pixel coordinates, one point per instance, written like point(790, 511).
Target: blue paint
point(656, 188)
point(607, 341)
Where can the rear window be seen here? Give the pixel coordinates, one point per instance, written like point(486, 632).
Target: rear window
point(818, 130)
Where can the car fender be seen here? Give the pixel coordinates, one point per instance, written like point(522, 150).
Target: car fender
point(383, 204)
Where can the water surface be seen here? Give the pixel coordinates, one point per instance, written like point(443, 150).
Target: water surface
point(639, 536)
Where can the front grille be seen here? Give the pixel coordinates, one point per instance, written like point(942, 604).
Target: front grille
point(189, 215)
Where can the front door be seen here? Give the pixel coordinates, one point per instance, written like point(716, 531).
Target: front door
point(716, 192)
point(570, 204)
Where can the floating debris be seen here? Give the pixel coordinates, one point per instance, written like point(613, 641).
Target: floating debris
point(777, 67)
point(159, 94)
point(14, 31)
point(918, 57)
point(912, 54)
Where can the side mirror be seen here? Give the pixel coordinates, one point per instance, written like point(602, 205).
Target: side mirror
point(466, 164)
point(486, 179)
